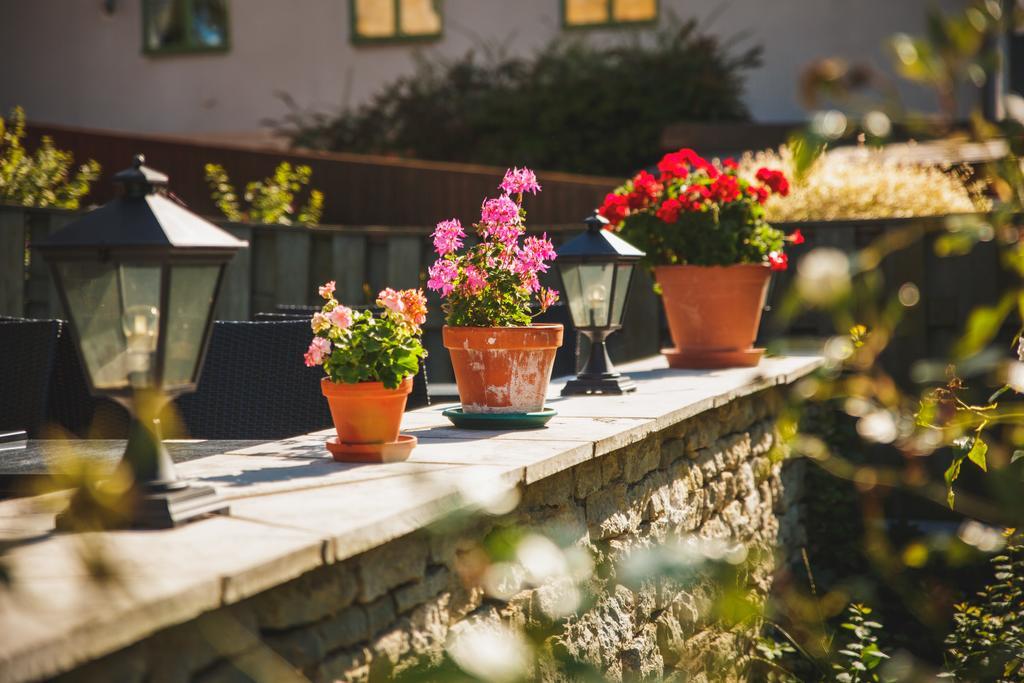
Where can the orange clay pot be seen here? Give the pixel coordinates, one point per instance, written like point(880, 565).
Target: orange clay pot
point(366, 412)
point(713, 313)
point(503, 369)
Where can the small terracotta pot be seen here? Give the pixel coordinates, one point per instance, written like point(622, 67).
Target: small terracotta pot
point(713, 313)
point(366, 412)
point(503, 369)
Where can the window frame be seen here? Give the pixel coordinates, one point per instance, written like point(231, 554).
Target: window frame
point(191, 46)
point(397, 38)
point(612, 22)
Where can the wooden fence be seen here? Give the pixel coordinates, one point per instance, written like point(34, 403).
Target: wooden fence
point(284, 264)
point(359, 189)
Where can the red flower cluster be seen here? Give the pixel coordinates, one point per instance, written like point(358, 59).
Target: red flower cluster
point(687, 182)
point(646, 189)
point(775, 180)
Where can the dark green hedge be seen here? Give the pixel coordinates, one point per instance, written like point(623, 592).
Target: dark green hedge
point(589, 106)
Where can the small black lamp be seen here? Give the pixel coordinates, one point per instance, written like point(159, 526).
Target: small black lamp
point(139, 279)
point(596, 269)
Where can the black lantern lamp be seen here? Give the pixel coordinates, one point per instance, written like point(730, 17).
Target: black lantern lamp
point(596, 269)
point(139, 279)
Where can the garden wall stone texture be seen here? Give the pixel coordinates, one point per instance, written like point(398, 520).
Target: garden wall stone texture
point(382, 612)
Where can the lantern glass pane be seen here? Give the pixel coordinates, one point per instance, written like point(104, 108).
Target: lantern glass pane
point(588, 288)
point(621, 291)
point(95, 311)
point(114, 309)
point(191, 297)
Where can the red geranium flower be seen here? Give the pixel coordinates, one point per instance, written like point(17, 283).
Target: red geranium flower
point(614, 208)
point(775, 180)
point(778, 260)
point(669, 210)
point(646, 189)
point(725, 189)
point(796, 237)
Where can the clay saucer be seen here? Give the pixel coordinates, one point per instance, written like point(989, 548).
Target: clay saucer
point(394, 451)
point(713, 358)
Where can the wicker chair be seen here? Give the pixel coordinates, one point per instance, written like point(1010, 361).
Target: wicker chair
point(26, 365)
point(420, 395)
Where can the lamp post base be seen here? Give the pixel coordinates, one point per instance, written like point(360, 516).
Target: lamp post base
point(612, 385)
point(142, 509)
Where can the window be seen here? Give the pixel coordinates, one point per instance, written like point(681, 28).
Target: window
point(394, 20)
point(598, 13)
point(174, 26)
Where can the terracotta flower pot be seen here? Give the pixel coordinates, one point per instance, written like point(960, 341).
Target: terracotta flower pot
point(713, 313)
point(503, 369)
point(366, 412)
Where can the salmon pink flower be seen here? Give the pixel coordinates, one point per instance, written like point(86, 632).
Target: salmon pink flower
point(340, 317)
point(327, 289)
point(319, 323)
point(547, 298)
point(519, 181)
point(391, 300)
point(318, 349)
point(415, 303)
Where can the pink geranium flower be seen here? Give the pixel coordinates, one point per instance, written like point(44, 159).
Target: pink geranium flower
point(476, 279)
point(442, 275)
point(448, 236)
point(318, 348)
point(519, 181)
point(499, 211)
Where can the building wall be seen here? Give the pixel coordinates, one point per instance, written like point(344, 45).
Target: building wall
point(74, 64)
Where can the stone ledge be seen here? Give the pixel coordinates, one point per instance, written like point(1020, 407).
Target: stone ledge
point(294, 510)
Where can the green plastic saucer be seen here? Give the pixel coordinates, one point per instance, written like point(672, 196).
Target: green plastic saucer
point(498, 421)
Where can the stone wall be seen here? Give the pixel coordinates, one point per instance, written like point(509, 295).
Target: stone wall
point(394, 608)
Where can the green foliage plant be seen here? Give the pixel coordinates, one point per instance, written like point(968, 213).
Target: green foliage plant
point(43, 178)
point(702, 213)
point(271, 201)
point(860, 656)
point(596, 107)
point(987, 641)
point(358, 346)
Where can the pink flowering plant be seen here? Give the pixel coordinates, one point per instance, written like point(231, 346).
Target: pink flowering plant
point(495, 282)
point(358, 346)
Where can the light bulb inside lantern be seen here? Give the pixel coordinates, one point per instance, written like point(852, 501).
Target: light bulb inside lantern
point(140, 325)
point(596, 297)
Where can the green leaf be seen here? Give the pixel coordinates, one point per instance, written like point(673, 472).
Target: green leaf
point(951, 475)
point(978, 452)
point(982, 326)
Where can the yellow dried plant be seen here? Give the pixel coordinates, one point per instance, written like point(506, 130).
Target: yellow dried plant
point(866, 183)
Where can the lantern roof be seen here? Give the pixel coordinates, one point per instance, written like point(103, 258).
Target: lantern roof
point(143, 217)
point(598, 243)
